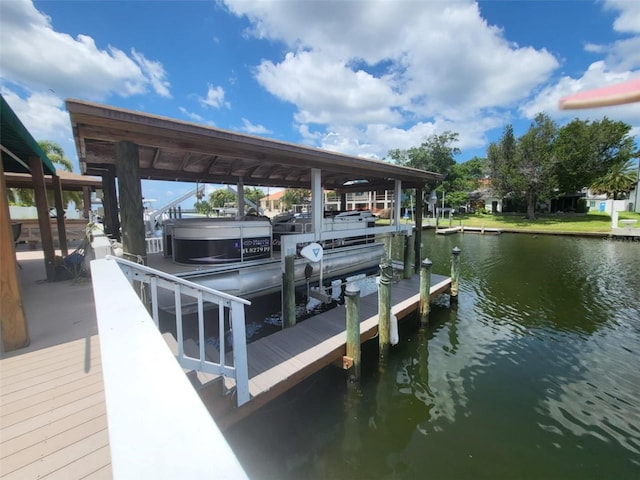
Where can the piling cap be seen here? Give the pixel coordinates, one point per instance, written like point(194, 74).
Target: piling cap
point(456, 251)
point(352, 289)
point(427, 263)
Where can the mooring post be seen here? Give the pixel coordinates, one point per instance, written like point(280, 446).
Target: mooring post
point(352, 294)
point(425, 291)
point(408, 256)
point(289, 292)
point(455, 273)
point(384, 306)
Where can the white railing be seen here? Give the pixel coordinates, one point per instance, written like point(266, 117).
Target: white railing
point(184, 293)
point(158, 426)
point(154, 244)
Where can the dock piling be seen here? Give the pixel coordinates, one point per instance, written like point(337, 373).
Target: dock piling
point(455, 273)
point(352, 294)
point(384, 306)
point(408, 256)
point(288, 293)
point(425, 291)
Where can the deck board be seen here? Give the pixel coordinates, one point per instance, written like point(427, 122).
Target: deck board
point(53, 414)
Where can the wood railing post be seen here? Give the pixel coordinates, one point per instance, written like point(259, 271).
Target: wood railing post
point(455, 273)
point(352, 294)
point(425, 291)
point(384, 306)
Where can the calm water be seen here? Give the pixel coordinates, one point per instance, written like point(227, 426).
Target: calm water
point(535, 374)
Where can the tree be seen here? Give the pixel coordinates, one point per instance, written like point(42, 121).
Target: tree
point(435, 154)
point(464, 178)
point(294, 196)
point(586, 151)
point(620, 178)
point(536, 161)
point(501, 157)
point(203, 207)
point(220, 197)
point(55, 153)
point(254, 195)
point(525, 168)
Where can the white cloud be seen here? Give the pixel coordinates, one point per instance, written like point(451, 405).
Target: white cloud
point(191, 115)
point(214, 98)
point(352, 70)
point(45, 66)
point(628, 19)
point(44, 116)
point(249, 127)
point(38, 58)
point(369, 76)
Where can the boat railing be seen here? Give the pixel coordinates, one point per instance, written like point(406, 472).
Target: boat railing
point(154, 244)
point(189, 293)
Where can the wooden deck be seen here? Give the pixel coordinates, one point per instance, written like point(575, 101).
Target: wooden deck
point(53, 414)
point(281, 360)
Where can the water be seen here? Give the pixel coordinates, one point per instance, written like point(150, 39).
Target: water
point(534, 374)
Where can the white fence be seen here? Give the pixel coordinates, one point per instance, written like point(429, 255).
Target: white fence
point(158, 426)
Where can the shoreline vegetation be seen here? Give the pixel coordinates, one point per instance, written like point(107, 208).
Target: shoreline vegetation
point(589, 223)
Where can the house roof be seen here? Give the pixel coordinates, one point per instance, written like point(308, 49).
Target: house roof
point(18, 146)
point(274, 196)
point(175, 150)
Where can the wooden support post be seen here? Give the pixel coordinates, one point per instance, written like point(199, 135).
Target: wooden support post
point(60, 214)
point(384, 307)
point(131, 208)
point(408, 256)
point(110, 203)
point(86, 202)
point(44, 221)
point(13, 329)
point(425, 291)
point(455, 273)
point(352, 294)
point(289, 292)
point(418, 230)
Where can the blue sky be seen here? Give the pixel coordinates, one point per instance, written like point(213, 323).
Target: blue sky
point(358, 77)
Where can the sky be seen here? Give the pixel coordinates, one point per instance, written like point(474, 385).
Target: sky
point(356, 77)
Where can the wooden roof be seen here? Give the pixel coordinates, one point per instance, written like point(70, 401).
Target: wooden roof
point(175, 150)
point(68, 180)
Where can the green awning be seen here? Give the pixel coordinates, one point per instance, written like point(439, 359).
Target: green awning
point(18, 146)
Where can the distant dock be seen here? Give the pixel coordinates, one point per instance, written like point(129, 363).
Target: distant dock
point(463, 229)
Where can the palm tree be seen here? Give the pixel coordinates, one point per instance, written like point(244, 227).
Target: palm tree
point(620, 178)
point(55, 153)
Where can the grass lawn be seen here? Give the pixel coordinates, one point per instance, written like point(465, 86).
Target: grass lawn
point(593, 222)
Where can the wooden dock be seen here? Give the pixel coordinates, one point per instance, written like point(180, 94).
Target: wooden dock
point(283, 359)
point(53, 414)
point(448, 231)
